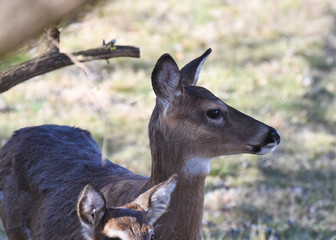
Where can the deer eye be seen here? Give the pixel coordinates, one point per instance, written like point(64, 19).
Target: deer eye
point(213, 113)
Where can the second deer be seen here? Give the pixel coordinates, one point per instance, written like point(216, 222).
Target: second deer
point(189, 126)
point(134, 221)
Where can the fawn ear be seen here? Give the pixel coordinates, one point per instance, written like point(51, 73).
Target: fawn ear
point(156, 200)
point(190, 72)
point(166, 79)
point(90, 206)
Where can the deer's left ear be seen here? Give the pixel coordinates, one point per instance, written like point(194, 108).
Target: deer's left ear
point(156, 200)
point(166, 79)
point(90, 206)
point(190, 72)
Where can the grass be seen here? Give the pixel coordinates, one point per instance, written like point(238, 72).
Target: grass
point(274, 60)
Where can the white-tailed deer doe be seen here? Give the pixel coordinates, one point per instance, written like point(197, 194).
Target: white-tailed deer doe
point(189, 126)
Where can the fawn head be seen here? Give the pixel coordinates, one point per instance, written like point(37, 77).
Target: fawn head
point(191, 121)
point(133, 221)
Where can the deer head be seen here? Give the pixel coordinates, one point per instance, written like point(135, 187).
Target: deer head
point(195, 124)
point(133, 221)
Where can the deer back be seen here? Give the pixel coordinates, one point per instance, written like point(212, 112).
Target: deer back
point(43, 168)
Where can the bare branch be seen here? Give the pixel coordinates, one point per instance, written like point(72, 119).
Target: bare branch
point(55, 60)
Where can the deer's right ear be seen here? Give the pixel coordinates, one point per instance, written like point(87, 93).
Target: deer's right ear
point(166, 79)
point(90, 206)
point(191, 71)
point(156, 200)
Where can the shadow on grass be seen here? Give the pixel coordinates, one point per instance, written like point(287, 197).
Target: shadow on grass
point(323, 179)
point(319, 97)
point(311, 194)
point(314, 185)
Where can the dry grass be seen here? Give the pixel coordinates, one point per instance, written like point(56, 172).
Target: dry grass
point(272, 59)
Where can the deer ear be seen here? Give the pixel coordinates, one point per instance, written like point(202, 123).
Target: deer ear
point(156, 200)
point(166, 79)
point(90, 206)
point(190, 72)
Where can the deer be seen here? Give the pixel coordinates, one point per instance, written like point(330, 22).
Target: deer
point(48, 210)
point(189, 126)
point(132, 221)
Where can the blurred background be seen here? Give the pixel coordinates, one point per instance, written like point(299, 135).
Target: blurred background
point(272, 59)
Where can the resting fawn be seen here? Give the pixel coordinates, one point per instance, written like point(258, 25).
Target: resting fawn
point(133, 221)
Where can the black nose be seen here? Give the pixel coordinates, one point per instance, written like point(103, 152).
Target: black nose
point(275, 136)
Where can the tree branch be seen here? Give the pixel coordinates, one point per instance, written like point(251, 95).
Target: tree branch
point(55, 60)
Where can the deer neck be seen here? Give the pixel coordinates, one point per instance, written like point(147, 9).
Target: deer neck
point(183, 220)
point(184, 217)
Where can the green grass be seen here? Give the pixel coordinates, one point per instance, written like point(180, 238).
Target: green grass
point(13, 60)
point(274, 60)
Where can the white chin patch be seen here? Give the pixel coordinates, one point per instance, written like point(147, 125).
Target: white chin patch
point(197, 166)
point(267, 148)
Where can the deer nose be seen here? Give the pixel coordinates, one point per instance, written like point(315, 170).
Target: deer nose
point(275, 136)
